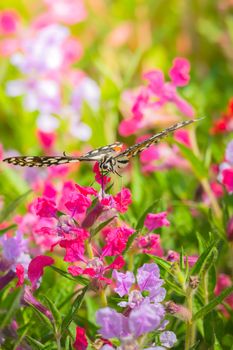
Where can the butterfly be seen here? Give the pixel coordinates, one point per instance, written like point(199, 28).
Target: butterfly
point(111, 158)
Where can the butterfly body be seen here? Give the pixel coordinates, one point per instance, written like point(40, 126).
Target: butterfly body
point(111, 158)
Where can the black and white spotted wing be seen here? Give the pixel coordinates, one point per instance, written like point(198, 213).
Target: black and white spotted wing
point(46, 161)
point(122, 158)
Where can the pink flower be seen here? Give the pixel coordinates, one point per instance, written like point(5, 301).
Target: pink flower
point(174, 256)
point(36, 268)
point(227, 179)
point(122, 200)
point(155, 95)
point(116, 239)
point(224, 281)
point(182, 136)
point(154, 221)
point(46, 139)
point(9, 20)
point(75, 247)
point(81, 339)
point(150, 244)
point(20, 274)
point(179, 73)
point(44, 208)
point(102, 180)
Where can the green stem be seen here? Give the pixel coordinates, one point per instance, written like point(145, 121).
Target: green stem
point(103, 298)
point(89, 250)
point(205, 288)
point(58, 338)
point(190, 325)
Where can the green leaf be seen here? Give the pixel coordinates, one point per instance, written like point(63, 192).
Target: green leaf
point(101, 226)
point(197, 165)
point(55, 312)
point(208, 324)
point(195, 346)
point(22, 331)
point(213, 303)
point(78, 279)
point(42, 317)
point(76, 305)
point(162, 263)
point(141, 220)
point(13, 205)
point(12, 304)
point(36, 344)
point(4, 230)
point(182, 264)
point(130, 242)
point(204, 260)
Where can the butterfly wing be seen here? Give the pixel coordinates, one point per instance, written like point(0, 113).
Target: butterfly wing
point(36, 161)
point(123, 157)
point(46, 161)
point(106, 151)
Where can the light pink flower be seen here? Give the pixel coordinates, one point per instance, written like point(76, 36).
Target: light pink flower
point(66, 11)
point(154, 221)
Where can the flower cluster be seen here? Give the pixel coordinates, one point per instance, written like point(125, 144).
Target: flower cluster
point(155, 95)
point(144, 313)
point(46, 77)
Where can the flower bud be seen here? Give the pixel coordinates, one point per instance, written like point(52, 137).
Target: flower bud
point(178, 311)
point(230, 229)
point(194, 282)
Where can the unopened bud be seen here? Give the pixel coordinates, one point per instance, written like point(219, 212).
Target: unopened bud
point(230, 229)
point(178, 311)
point(194, 282)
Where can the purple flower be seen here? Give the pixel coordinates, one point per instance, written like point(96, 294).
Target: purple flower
point(229, 153)
point(145, 318)
point(148, 279)
point(15, 250)
point(124, 282)
point(113, 324)
point(141, 320)
point(168, 339)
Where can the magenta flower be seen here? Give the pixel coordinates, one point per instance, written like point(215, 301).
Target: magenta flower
point(154, 221)
point(116, 239)
point(36, 268)
point(80, 339)
point(155, 95)
point(225, 175)
point(179, 73)
point(44, 207)
point(9, 20)
point(150, 244)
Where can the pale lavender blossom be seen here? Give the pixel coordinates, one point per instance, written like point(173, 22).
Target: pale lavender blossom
point(124, 282)
point(15, 251)
point(141, 320)
point(87, 91)
point(148, 279)
point(168, 339)
point(42, 52)
point(229, 153)
point(40, 94)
